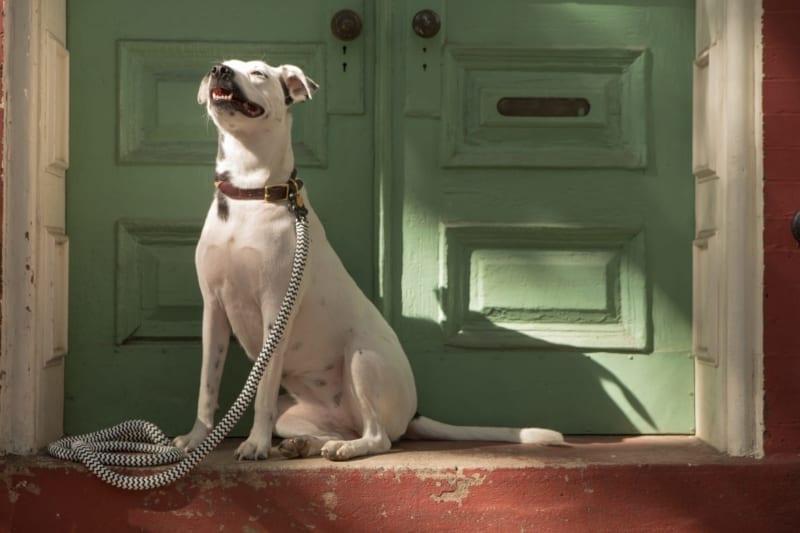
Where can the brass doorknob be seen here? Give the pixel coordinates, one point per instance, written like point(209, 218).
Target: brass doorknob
point(346, 24)
point(426, 23)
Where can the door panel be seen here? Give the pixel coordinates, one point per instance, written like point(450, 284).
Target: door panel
point(546, 206)
point(142, 180)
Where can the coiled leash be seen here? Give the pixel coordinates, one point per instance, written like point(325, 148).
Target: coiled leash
point(138, 443)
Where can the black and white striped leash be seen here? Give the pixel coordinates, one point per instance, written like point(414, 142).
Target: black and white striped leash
point(138, 443)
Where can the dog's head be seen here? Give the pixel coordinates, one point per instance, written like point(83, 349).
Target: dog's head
point(239, 94)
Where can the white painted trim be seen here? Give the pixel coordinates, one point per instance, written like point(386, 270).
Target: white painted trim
point(759, 391)
point(728, 266)
point(35, 256)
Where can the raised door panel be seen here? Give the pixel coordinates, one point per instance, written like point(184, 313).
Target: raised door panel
point(481, 126)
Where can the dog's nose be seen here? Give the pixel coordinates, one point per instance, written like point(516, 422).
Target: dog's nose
point(222, 72)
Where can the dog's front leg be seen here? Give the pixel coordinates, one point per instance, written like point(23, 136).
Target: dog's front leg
point(265, 410)
point(216, 337)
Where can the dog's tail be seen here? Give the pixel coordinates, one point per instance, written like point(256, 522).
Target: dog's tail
point(425, 428)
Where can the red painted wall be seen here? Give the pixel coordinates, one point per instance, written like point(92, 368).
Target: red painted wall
point(782, 199)
point(2, 135)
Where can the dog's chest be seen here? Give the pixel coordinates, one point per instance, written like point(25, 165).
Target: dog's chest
point(246, 254)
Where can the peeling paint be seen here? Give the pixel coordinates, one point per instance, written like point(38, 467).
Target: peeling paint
point(330, 501)
point(454, 485)
point(188, 513)
point(9, 477)
point(23, 486)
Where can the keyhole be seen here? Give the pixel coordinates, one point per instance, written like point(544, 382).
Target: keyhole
point(425, 67)
point(344, 50)
point(344, 67)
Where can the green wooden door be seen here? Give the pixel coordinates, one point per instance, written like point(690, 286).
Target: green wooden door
point(545, 213)
point(536, 267)
point(141, 181)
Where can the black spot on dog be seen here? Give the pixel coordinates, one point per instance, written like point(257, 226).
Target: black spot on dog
point(330, 367)
point(337, 399)
point(320, 383)
point(223, 210)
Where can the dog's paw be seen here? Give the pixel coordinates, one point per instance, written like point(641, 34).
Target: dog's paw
point(252, 450)
point(191, 440)
point(339, 450)
point(295, 447)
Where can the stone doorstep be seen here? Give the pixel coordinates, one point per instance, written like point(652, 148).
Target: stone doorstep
point(591, 483)
point(444, 455)
point(577, 452)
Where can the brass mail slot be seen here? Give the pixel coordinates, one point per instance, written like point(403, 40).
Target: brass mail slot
point(543, 106)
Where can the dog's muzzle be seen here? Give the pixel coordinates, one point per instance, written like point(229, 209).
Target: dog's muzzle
point(225, 93)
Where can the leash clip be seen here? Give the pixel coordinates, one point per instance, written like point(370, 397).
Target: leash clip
point(297, 206)
point(295, 199)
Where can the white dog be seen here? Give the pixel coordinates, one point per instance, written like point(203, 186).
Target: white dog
point(349, 386)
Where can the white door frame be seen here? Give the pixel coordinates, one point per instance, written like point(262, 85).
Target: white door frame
point(728, 267)
point(728, 250)
point(35, 247)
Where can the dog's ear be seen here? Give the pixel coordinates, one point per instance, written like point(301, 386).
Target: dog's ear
point(297, 86)
point(202, 93)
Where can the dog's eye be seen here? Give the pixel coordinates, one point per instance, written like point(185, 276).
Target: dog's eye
point(259, 74)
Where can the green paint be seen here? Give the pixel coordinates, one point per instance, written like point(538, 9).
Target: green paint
point(140, 183)
point(545, 262)
point(537, 269)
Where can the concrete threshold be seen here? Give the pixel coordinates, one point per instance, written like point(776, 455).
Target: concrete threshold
point(578, 452)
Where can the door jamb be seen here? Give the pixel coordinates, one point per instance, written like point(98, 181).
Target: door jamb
point(35, 248)
point(728, 249)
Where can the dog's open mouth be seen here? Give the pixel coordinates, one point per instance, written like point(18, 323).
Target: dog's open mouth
point(222, 96)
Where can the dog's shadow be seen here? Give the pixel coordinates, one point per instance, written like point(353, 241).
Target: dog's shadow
point(546, 385)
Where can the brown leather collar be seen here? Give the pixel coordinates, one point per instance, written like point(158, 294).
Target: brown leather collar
point(272, 193)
